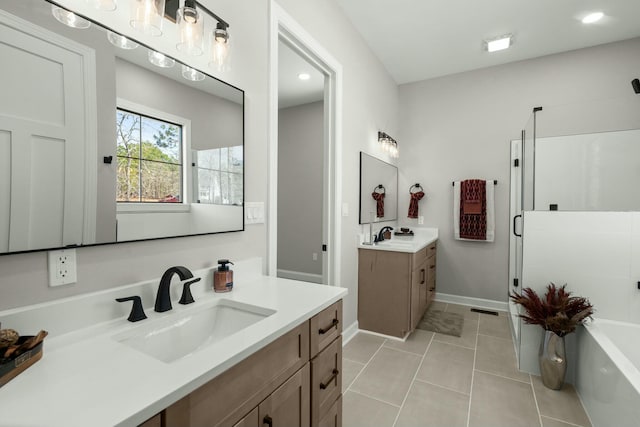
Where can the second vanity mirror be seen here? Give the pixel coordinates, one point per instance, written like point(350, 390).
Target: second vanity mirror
point(378, 190)
point(104, 142)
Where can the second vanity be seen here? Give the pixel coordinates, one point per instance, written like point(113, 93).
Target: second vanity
point(396, 282)
point(284, 366)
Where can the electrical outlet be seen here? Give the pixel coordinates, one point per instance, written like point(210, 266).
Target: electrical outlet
point(62, 267)
point(315, 256)
point(420, 220)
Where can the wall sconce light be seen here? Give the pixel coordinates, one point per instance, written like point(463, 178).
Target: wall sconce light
point(69, 18)
point(191, 26)
point(146, 16)
point(389, 145)
point(220, 46)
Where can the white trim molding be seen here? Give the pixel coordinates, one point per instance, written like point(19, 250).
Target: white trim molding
point(284, 27)
point(299, 275)
point(486, 304)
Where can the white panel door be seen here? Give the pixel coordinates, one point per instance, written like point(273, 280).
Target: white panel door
point(42, 123)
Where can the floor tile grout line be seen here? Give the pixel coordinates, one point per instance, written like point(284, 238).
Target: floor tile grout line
point(493, 336)
point(562, 421)
point(413, 380)
point(535, 400)
point(365, 365)
point(375, 398)
point(441, 386)
point(502, 376)
point(473, 374)
point(406, 351)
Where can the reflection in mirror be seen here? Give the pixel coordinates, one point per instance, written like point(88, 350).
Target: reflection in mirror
point(76, 96)
point(378, 190)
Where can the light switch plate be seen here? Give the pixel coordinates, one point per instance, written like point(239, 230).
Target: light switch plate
point(254, 213)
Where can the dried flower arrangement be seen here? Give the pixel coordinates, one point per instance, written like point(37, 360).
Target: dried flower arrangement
point(558, 312)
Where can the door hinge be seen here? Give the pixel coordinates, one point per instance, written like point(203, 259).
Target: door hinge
point(324, 248)
point(515, 283)
point(516, 163)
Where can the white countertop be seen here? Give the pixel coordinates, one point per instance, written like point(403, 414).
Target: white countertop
point(411, 244)
point(87, 378)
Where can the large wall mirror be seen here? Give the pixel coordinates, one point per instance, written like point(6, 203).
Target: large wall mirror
point(103, 143)
point(378, 190)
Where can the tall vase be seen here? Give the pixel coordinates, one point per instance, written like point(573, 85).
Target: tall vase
point(552, 359)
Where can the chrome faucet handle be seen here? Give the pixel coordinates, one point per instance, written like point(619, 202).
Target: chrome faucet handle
point(137, 312)
point(186, 297)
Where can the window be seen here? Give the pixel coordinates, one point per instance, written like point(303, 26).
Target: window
point(150, 160)
point(218, 175)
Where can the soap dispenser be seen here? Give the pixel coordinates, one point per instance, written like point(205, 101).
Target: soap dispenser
point(223, 277)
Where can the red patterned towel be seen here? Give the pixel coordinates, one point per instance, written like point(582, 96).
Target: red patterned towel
point(413, 204)
point(379, 198)
point(473, 209)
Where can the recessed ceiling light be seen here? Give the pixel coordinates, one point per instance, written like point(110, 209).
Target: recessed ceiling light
point(592, 17)
point(304, 76)
point(499, 43)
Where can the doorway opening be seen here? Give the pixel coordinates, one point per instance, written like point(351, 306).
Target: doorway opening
point(287, 207)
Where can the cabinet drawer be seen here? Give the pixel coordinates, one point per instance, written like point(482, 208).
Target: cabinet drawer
point(326, 380)
point(325, 327)
point(333, 417)
point(431, 250)
point(419, 257)
point(228, 397)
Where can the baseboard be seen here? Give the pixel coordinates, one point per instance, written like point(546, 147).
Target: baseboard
point(475, 302)
point(299, 275)
point(349, 332)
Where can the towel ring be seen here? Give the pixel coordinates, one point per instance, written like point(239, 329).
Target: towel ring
point(416, 185)
point(379, 187)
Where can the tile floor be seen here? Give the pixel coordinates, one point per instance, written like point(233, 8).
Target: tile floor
point(440, 380)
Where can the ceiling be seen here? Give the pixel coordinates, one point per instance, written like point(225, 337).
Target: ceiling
point(422, 39)
point(291, 90)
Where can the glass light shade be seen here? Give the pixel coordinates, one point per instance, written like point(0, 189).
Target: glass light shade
point(121, 41)
point(220, 49)
point(146, 16)
point(68, 18)
point(191, 27)
point(161, 60)
point(192, 74)
point(106, 5)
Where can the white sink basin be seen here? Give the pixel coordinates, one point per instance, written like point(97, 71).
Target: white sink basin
point(181, 334)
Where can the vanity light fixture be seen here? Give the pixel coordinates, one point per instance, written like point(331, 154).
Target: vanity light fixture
point(498, 43)
point(192, 74)
point(121, 41)
point(389, 145)
point(220, 46)
point(146, 16)
point(69, 18)
point(191, 27)
point(161, 60)
point(304, 76)
point(106, 5)
point(592, 17)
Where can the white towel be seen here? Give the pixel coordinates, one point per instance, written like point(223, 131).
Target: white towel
point(491, 226)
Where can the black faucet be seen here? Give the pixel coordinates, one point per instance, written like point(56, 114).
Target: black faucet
point(381, 233)
point(163, 299)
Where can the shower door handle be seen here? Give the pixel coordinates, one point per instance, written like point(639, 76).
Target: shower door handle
point(514, 226)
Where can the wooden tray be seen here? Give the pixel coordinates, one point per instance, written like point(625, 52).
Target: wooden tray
point(14, 367)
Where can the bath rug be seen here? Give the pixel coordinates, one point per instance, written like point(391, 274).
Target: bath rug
point(442, 322)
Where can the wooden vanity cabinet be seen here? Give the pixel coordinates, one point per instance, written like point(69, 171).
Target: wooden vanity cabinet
point(294, 381)
point(395, 289)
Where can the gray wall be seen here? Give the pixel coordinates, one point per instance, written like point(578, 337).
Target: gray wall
point(460, 126)
point(300, 152)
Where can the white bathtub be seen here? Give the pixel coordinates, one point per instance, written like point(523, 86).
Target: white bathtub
point(608, 372)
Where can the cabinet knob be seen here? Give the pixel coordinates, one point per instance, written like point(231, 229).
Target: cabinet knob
point(267, 420)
